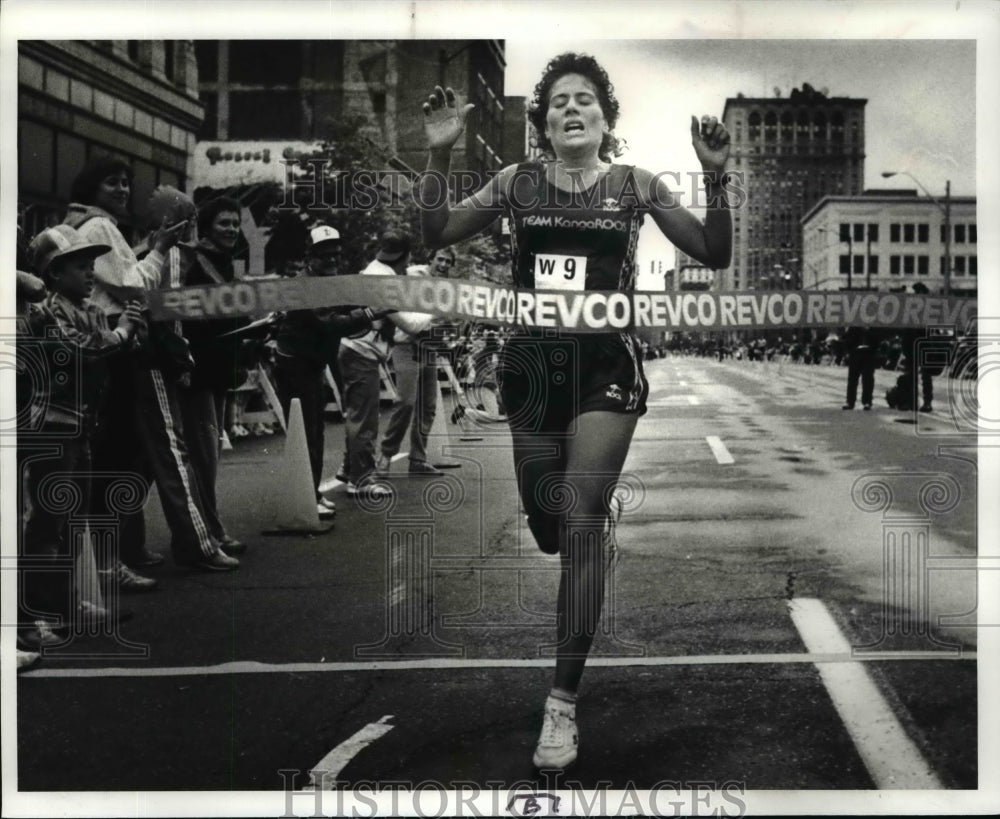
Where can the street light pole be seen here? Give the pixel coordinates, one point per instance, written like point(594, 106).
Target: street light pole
point(850, 259)
point(946, 210)
point(947, 237)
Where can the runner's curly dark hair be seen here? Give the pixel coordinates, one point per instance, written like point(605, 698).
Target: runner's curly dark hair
point(587, 67)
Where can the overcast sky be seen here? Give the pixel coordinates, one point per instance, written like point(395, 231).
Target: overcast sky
point(920, 116)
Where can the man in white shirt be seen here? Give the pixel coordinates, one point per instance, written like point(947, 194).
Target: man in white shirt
point(359, 359)
point(415, 363)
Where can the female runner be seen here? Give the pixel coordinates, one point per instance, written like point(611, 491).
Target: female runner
point(573, 401)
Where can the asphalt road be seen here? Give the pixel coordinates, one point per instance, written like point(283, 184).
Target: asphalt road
point(793, 610)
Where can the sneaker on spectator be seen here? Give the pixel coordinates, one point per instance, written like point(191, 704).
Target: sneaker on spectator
point(557, 746)
point(218, 562)
point(92, 613)
point(326, 509)
point(369, 489)
point(146, 558)
point(128, 580)
point(423, 469)
point(231, 546)
point(38, 636)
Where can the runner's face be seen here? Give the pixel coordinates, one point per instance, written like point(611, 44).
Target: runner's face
point(112, 194)
point(574, 122)
point(224, 230)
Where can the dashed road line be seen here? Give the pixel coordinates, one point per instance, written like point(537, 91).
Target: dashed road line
point(450, 664)
point(889, 754)
point(326, 770)
point(719, 450)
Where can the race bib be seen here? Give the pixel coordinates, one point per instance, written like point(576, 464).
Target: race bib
point(556, 272)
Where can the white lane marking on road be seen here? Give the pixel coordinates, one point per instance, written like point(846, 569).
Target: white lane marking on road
point(889, 754)
point(694, 400)
point(333, 483)
point(719, 450)
point(254, 667)
point(333, 763)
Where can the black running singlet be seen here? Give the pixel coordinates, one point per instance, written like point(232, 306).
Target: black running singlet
point(574, 241)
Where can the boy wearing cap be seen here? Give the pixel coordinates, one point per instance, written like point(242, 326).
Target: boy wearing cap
point(304, 343)
point(75, 341)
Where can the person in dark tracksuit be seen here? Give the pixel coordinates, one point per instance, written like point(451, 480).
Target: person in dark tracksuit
point(306, 340)
point(217, 357)
point(862, 360)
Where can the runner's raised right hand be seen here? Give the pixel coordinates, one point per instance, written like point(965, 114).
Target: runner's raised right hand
point(444, 119)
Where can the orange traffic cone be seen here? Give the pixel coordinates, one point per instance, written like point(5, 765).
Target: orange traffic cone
point(293, 501)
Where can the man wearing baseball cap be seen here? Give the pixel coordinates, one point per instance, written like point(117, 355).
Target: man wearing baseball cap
point(306, 341)
point(74, 340)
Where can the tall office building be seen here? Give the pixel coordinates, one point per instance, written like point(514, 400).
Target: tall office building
point(792, 151)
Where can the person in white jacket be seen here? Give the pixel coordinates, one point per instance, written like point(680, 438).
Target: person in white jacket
point(360, 358)
point(142, 431)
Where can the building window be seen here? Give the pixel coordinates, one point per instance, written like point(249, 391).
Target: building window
point(770, 126)
point(845, 232)
point(894, 233)
point(973, 266)
point(923, 265)
point(908, 234)
point(923, 233)
point(264, 114)
point(894, 265)
point(207, 54)
point(845, 265)
point(859, 233)
point(859, 264)
point(837, 127)
point(972, 233)
point(959, 234)
point(960, 265)
point(944, 235)
point(279, 62)
point(873, 233)
point(873, 265)
point(210, 124)
point(908, 265)
point(170, 59)
point(942, 268)
point(753, 126)
point(787, 127)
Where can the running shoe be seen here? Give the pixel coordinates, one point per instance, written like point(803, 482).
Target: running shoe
point(326, 509)
point(557, 746)
point(38, 636)
point(231, 546)
point(218, 562)
point(128, 580)
point(371, 490)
